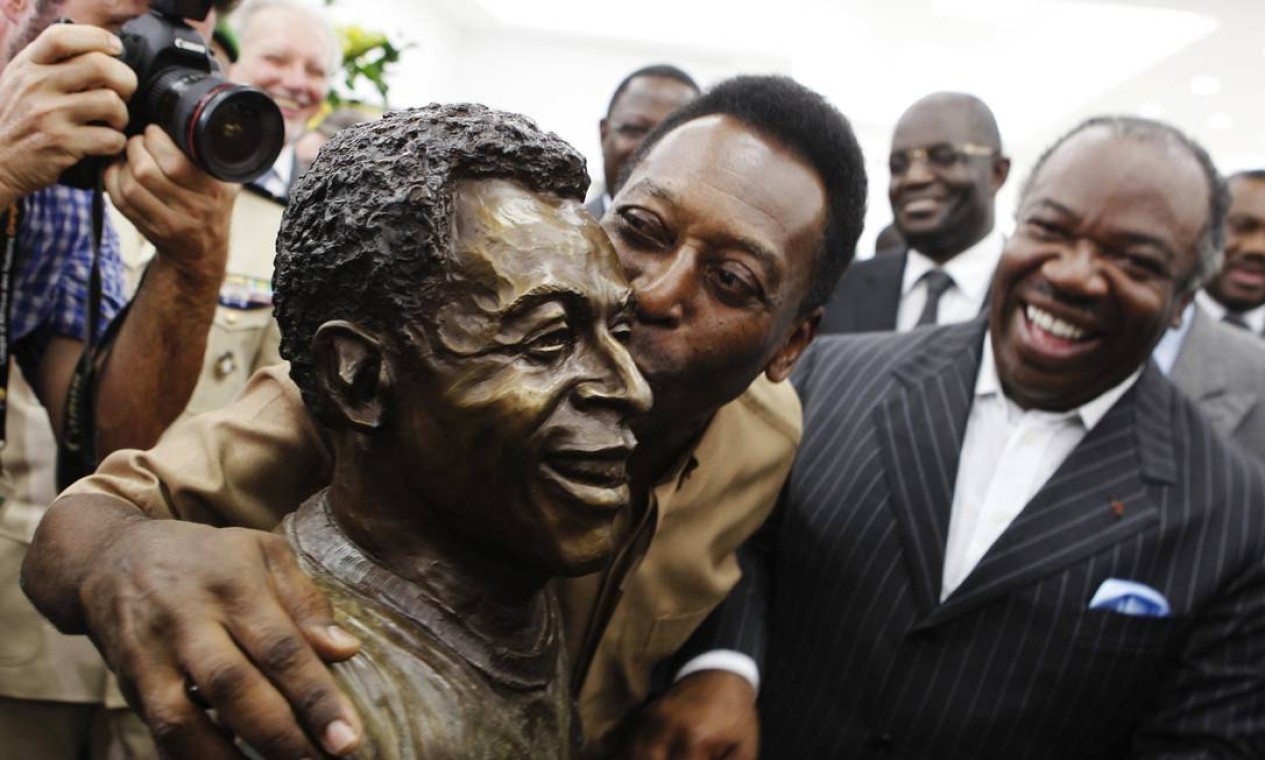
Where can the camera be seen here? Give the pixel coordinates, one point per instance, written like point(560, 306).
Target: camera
point(234, 132)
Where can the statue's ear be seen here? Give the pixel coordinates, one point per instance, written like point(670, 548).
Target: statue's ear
point(351, 377)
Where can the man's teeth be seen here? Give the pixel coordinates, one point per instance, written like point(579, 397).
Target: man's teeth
point(1053, 325)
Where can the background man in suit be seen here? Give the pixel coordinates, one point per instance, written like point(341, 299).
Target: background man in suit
point(1223, 369)
point(642, 100)
point(1014, 538)
point(1237, 294)
point(947, 166)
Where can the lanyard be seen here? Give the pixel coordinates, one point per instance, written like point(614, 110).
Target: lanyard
point(9, 236)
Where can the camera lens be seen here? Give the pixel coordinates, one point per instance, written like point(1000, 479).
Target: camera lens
point(232, 131)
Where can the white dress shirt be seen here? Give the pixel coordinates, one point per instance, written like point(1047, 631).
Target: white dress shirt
point(1255, 318)
point(1008, 454)
point(277, 179)
point(972, 273)
point(1166, 351)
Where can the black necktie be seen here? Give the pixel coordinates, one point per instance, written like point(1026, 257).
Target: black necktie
point(1236, 318)
point(937, 282)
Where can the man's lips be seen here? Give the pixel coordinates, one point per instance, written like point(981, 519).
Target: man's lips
point(1249, 274)
point(920, 206)
point(597, 478)
point(1048, 336)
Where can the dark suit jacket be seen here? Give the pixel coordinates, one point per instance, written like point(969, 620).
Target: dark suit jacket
point(840, 600)
point(1223, 369)
point(867, 296)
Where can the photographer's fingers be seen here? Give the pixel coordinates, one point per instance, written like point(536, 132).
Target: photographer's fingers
point(62, 41)
point(95, 108)
point(93, 71)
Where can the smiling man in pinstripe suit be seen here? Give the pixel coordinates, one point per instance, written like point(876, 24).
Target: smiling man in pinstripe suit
point(1012, 538)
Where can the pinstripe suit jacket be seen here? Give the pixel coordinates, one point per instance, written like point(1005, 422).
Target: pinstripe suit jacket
point(840, 602)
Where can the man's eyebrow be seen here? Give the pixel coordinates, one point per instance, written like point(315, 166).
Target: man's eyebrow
point(761, 252)
point(1127, 236)
point(1056, 206)
point(572, 299)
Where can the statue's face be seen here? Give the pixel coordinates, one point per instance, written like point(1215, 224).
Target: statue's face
point(525, 387)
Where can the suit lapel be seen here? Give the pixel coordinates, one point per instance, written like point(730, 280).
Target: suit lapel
point(876, 303)
point(1201, 369)
point(920, 429)
point(1097, 498)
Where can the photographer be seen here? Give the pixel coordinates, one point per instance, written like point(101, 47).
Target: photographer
point(64, 97)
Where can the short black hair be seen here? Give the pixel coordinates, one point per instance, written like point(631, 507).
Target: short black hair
point(662, 70)
point(367, 235)
point(803, 122)
point(1212, 236)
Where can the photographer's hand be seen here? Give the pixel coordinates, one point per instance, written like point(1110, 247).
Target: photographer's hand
point(62, 98)
point(185, 213)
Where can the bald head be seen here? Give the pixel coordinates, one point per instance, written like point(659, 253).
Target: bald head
point(947, 166)
point(960, 112)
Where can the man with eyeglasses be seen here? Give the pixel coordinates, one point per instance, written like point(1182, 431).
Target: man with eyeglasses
point(642, 100)
point(947, 166)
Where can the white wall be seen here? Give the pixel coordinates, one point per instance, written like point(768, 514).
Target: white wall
point(1042, 64)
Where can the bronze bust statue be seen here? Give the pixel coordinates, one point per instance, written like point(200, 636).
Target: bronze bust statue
point(457, 323)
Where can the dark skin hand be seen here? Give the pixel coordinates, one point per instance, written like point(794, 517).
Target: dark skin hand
point(248, 612)
point(709, 715)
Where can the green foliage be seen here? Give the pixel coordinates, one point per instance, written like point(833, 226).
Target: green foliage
point(366, 56)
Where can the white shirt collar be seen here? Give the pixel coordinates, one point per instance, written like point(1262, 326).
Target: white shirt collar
point(971, 270)
point(284, 165)
point(1170, 345)
point(1255, 318)
point(988, 384)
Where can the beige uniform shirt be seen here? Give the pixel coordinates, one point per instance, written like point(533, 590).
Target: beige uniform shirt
point(249, 464)
point(244, 337)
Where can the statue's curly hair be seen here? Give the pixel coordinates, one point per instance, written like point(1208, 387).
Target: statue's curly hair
point(368, 231)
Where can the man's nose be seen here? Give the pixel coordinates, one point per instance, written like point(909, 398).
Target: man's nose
point(615, 378)
point(664, 287)
point(294, 76)
point(1077, 270)
point(917, 173)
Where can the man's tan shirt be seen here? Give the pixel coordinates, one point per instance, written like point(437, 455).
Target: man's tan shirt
point(249, 464)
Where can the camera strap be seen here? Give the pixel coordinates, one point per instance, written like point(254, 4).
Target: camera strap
point(77, 452)
point(9, 237)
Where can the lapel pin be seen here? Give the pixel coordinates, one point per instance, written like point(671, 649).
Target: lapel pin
point(1117, 508)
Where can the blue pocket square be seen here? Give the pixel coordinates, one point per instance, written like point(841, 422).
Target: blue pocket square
point(1130, 598)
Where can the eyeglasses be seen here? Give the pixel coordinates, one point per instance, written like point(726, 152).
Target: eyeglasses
point(630, 131)
point(939, 156)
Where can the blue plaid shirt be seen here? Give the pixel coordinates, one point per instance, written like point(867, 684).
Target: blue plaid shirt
point(50, 293)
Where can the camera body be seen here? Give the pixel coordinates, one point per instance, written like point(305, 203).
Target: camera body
point(232, 131)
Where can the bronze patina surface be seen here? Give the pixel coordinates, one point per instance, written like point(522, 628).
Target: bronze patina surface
point(458, 323)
